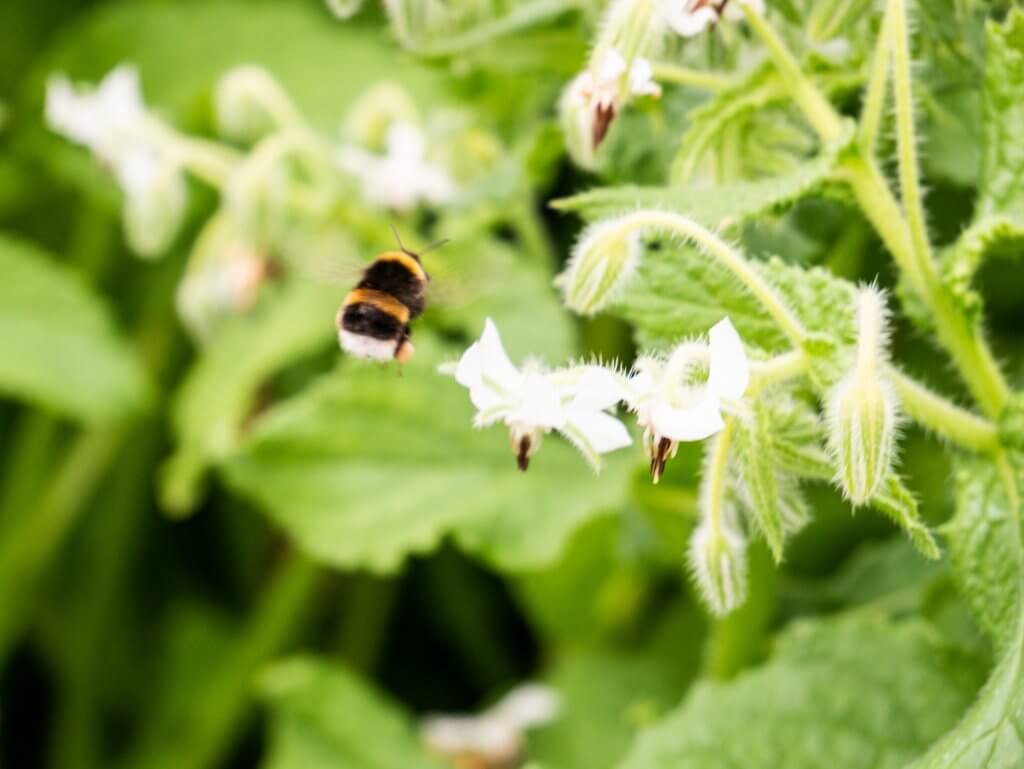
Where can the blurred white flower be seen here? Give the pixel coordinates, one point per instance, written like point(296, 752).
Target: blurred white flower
point(111, 120)
point(532, 402)
point(670, 402)
point(691, 17)
point(494, 737)
point(402, 178)
point(600, 92)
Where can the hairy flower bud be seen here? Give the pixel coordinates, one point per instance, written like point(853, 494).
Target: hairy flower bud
point(863, 419)
point(249, 103)
point(718, 556)
point(603, 261)
point(154, 204)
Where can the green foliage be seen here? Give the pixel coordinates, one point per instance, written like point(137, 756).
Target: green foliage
point(798, 710)
point(367, 467)
point(62, 349)
point(325, 717)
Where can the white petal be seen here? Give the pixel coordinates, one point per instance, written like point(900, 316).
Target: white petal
point(612, 66)
point(468, 373)
point(694, 423)
point(526, 706)
point(685, 22)
point(641, 79)
point(602, 432)
point(598, 389)
point(494, 363)
point(540, 405)
point(729, 372)
point(406, 143)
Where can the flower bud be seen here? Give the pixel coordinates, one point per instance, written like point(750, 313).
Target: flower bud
point(718, 556)
point(602, 263)
point(344, 9)
point(154, 204)
point(863, 409)
point(370, 118)
point(249, 103)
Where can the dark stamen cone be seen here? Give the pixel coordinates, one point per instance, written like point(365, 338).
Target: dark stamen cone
point(603, 116)
point(660, 459)
point(523, 455)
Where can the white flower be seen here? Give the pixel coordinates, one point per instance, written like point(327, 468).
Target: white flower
point(532, 402)
point(101, 119)
point(112, 121)
point(496, 735)
point(597, 94)
point(670, 402)
point(691, 17)
point(403, 177)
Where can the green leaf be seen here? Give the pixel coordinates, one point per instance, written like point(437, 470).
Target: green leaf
point(896, 501)
point(369, 466)
point(606, 699)
point(439, 28)
point(1002, 177)
point(62, 349)
point(679, 291)
point(760, 476)
point(325, 717)
point(858, 692)
point(986, 544)
point(219, 392)
point(716, 206)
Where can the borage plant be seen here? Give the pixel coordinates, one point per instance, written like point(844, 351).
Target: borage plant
point(791, 211)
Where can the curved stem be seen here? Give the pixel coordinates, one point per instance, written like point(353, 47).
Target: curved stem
point(942, 417)
point(717, 474)
point(874, 99)
point(818, 110)
point(666, 72)
point(731, 259)
point(778, 369)
point(906, 140)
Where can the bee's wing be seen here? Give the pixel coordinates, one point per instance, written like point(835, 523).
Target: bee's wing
point(336, 267)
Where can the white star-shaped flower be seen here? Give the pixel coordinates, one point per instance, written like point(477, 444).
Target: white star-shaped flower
point(102, 118)
point(402, 178)
point(670, 402)
point(532, 402)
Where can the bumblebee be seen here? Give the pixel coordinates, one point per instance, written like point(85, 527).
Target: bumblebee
point(374, 319)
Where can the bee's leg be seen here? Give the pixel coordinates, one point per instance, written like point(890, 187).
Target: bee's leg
point(403, 347)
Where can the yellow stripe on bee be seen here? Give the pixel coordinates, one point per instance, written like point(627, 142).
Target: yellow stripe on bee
point(381, 301)
point(410, 263)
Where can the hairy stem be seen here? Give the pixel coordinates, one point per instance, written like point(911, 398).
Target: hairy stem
point(731, 259)
point(942, 417)
point(665, 72)
point(874, 98)
point(778, 369)
point(906, 138)
point(816, 108)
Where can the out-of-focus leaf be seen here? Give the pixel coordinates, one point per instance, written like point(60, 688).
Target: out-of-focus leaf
point(986, 543)
point(852, 693)
point(61, 348)
point(324, 717)
point(606, 699)
point(219, 392)
point(440, 28)
point(182, 48)
point(370, 465)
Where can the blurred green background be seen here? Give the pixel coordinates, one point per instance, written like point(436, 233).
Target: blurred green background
point(248, 551)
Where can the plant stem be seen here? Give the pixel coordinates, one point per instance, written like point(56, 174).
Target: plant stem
point(717, 473)
point(818, 110)
point(29, 548)
point(944, 418)
point(199, 738)
point(874, 99)
point(965, 342)
point(778, 369)
point(906, 139)
point(666, 72)
point(730, 258)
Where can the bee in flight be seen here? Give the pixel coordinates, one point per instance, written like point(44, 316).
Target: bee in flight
point(374, 319)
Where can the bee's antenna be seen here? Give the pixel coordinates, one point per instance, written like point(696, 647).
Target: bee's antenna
point(435, 244)
point(401, 245)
